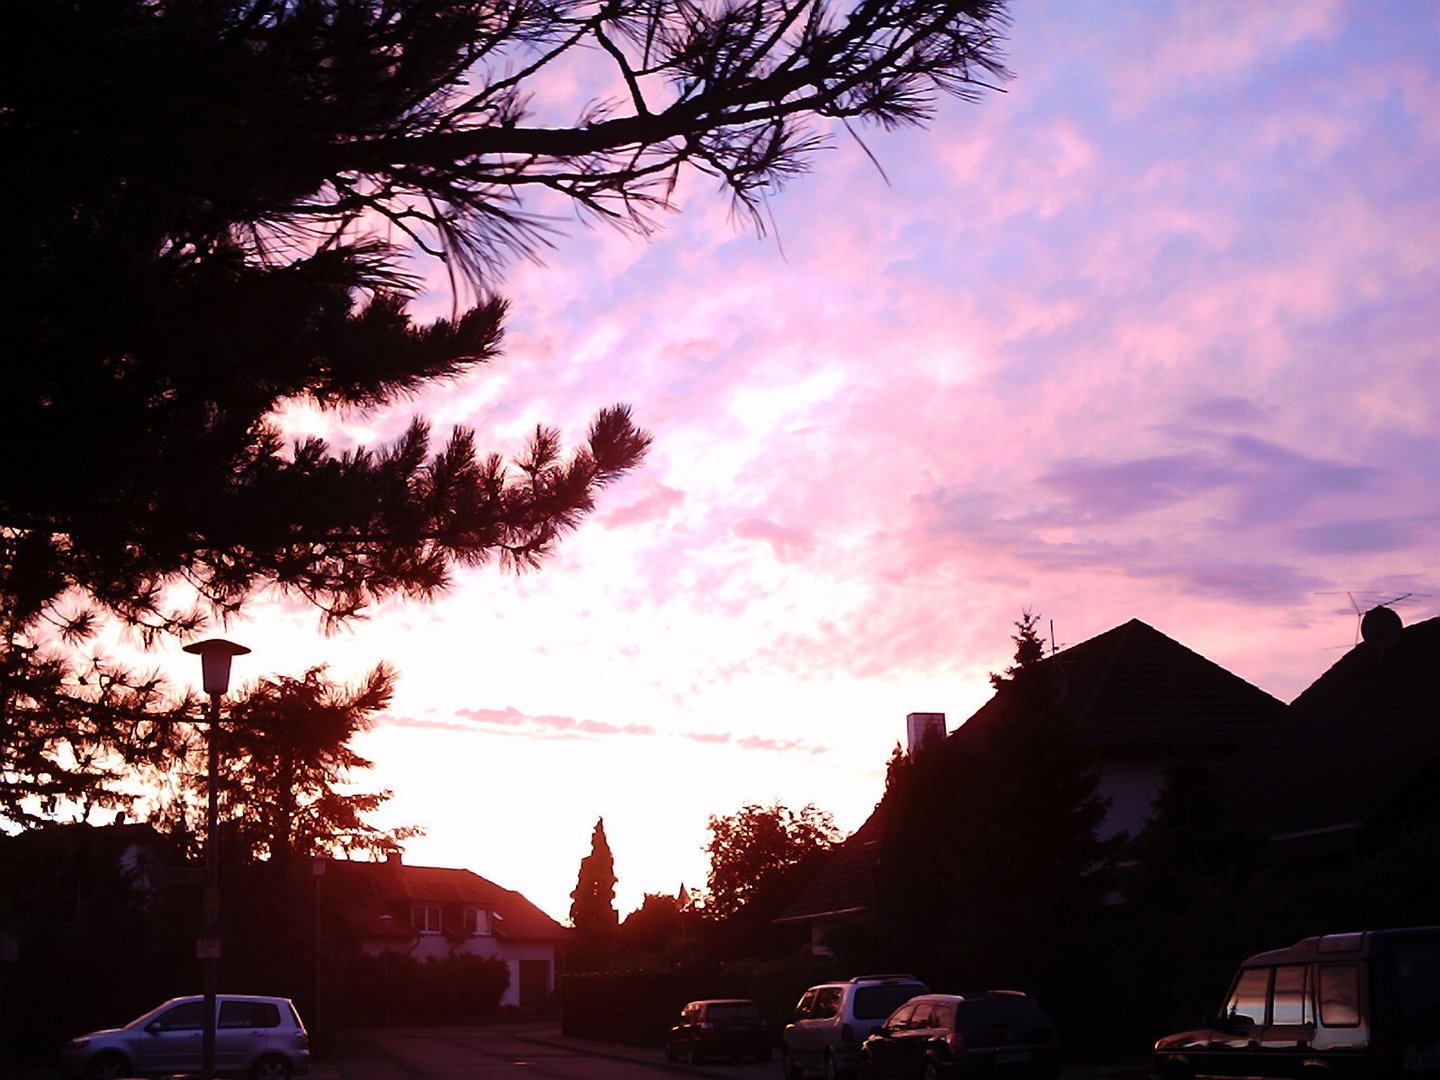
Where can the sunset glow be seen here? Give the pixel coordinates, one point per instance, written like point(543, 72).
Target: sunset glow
point(1151, 334)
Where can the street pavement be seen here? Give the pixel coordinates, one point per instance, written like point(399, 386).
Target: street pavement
point(547, 1033)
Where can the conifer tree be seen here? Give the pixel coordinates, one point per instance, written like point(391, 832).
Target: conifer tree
point(592, 904)
point(287, 783)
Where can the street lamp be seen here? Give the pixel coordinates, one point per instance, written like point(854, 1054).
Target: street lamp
point(215, 655)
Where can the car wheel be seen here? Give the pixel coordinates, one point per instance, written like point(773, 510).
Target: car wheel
point(271, 1068)
point(107, 1066)
point(788, 1068)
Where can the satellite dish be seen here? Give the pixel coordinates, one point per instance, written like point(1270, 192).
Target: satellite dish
point(1381, 627)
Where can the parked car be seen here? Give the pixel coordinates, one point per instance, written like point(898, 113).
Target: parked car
point(1329, 1008)
point(257, 1037)
point(720, 1027)
point(997, 1034)
point(833, 1019)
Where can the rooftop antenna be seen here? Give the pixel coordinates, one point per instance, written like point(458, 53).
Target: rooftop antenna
point(1379, 624)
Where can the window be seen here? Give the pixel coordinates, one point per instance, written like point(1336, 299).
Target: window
point(425, 918)
point(1339, 995)
point(477, 921)
point(904, 1019)
point(827, 1002)
point(249, 1014)
point(926, 1016)
point(187, 1016)
point(1290, 1005)
point(1247, 1000)
point(806, 1007)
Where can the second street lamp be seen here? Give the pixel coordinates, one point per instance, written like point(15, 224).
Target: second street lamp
point(215, 656)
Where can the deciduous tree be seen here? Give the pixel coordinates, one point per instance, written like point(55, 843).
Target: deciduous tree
point(750, 848)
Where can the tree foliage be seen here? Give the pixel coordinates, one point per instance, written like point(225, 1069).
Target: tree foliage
point(286, 766)
point(750, 848)
point(991, 866)
point(211, 208)
point(592, 904)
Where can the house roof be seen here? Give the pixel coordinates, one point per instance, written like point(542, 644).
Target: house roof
point(1130, 688)
point(845, 884)
point(1356, 741)
point(1133, 687)
point(364, 891)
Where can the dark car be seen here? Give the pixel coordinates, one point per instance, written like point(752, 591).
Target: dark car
point(1362, 1005)
point(720, 1027)
point(997, 1034)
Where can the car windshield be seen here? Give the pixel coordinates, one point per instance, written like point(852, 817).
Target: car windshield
point(734, 1010)
point(878, 1002)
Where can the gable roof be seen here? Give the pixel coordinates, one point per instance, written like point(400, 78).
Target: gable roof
point(1133, 687)
point(845, 884)
point(1355, 742)
point(364, 891)
point(1130, 688)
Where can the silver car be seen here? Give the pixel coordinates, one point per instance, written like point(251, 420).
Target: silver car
point(257, 1037)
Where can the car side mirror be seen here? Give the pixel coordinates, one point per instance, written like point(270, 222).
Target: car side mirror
point(154, 1027)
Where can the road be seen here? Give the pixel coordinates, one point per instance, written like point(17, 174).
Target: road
point(510, 1052)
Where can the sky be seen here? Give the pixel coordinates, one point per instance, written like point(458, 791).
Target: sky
point(1152, 333)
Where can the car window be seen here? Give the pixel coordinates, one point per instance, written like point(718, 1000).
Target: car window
point(943, 1016)
point(1247, 1000)
point(187, 1016)
point(249, 1014)
point(1002, 1012)
point(880, 1000)
point(827, 1002)
point(925, 1016)
point(1416, 980)
point(1289, 1004)
point(901, 1018)
point(806, 1007)
point(728, 1011)
point(1339, 995)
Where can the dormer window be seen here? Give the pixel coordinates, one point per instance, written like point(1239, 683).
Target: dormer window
point(425, 918)
point(477, 922)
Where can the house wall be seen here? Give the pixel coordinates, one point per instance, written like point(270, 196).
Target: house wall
point(439, 946)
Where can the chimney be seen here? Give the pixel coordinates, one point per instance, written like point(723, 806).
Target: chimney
point(921, 726)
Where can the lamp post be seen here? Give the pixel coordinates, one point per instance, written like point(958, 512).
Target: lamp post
point(215, 655)
point(317, 869)
point(385, 921)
